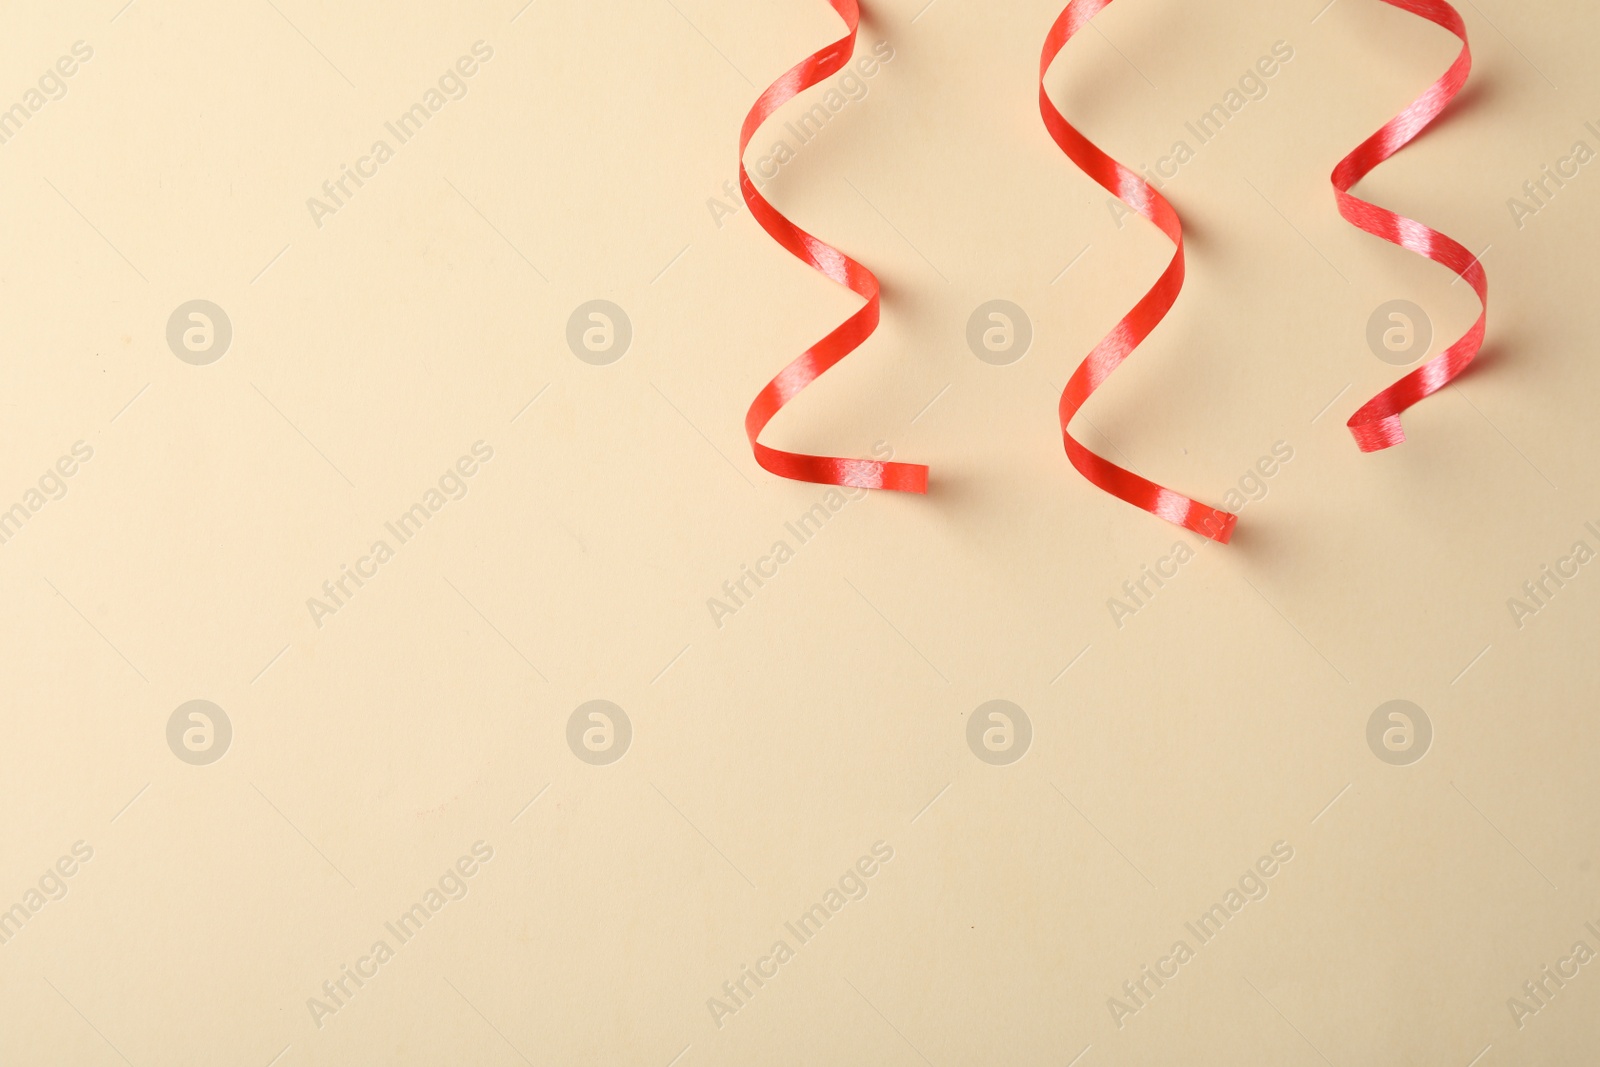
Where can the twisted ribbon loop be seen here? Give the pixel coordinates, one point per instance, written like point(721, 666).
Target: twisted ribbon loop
point(1376, 425)
point(1138, 323)
point(811, 364)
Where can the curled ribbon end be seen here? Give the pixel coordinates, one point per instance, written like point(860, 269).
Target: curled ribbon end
point(853, 473)
point(916, 482)
point(895, 477)
point(1217, 525)
point(1377, 436)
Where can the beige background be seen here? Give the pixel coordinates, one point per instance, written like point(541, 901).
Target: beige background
point(830, 712)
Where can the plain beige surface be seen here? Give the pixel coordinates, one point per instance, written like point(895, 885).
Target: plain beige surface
point(1173, 748)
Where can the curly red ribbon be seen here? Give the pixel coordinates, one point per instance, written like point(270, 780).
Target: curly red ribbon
point(1137, 324)
point(1376, 425)
point(865, 474)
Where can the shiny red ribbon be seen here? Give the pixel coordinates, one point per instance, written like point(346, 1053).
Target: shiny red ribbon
point(1137, 324)
point(865, 474)
point(1376, 425)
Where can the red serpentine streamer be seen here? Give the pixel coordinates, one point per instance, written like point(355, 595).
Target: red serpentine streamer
point(865, 474)
point(1137, 324)
point(1376, 425)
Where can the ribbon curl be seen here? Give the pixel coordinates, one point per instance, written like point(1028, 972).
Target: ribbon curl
point(1138, 323)
point(811, 364)
point(1376, 425)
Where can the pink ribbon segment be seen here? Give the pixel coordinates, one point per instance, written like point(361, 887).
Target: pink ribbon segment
point(1138, 323)
point(847, 337)
point(1376, 425)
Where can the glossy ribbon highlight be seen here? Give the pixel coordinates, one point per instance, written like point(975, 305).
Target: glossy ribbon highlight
point(865, 474)
point(1376, 425)
point(1137, 324)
